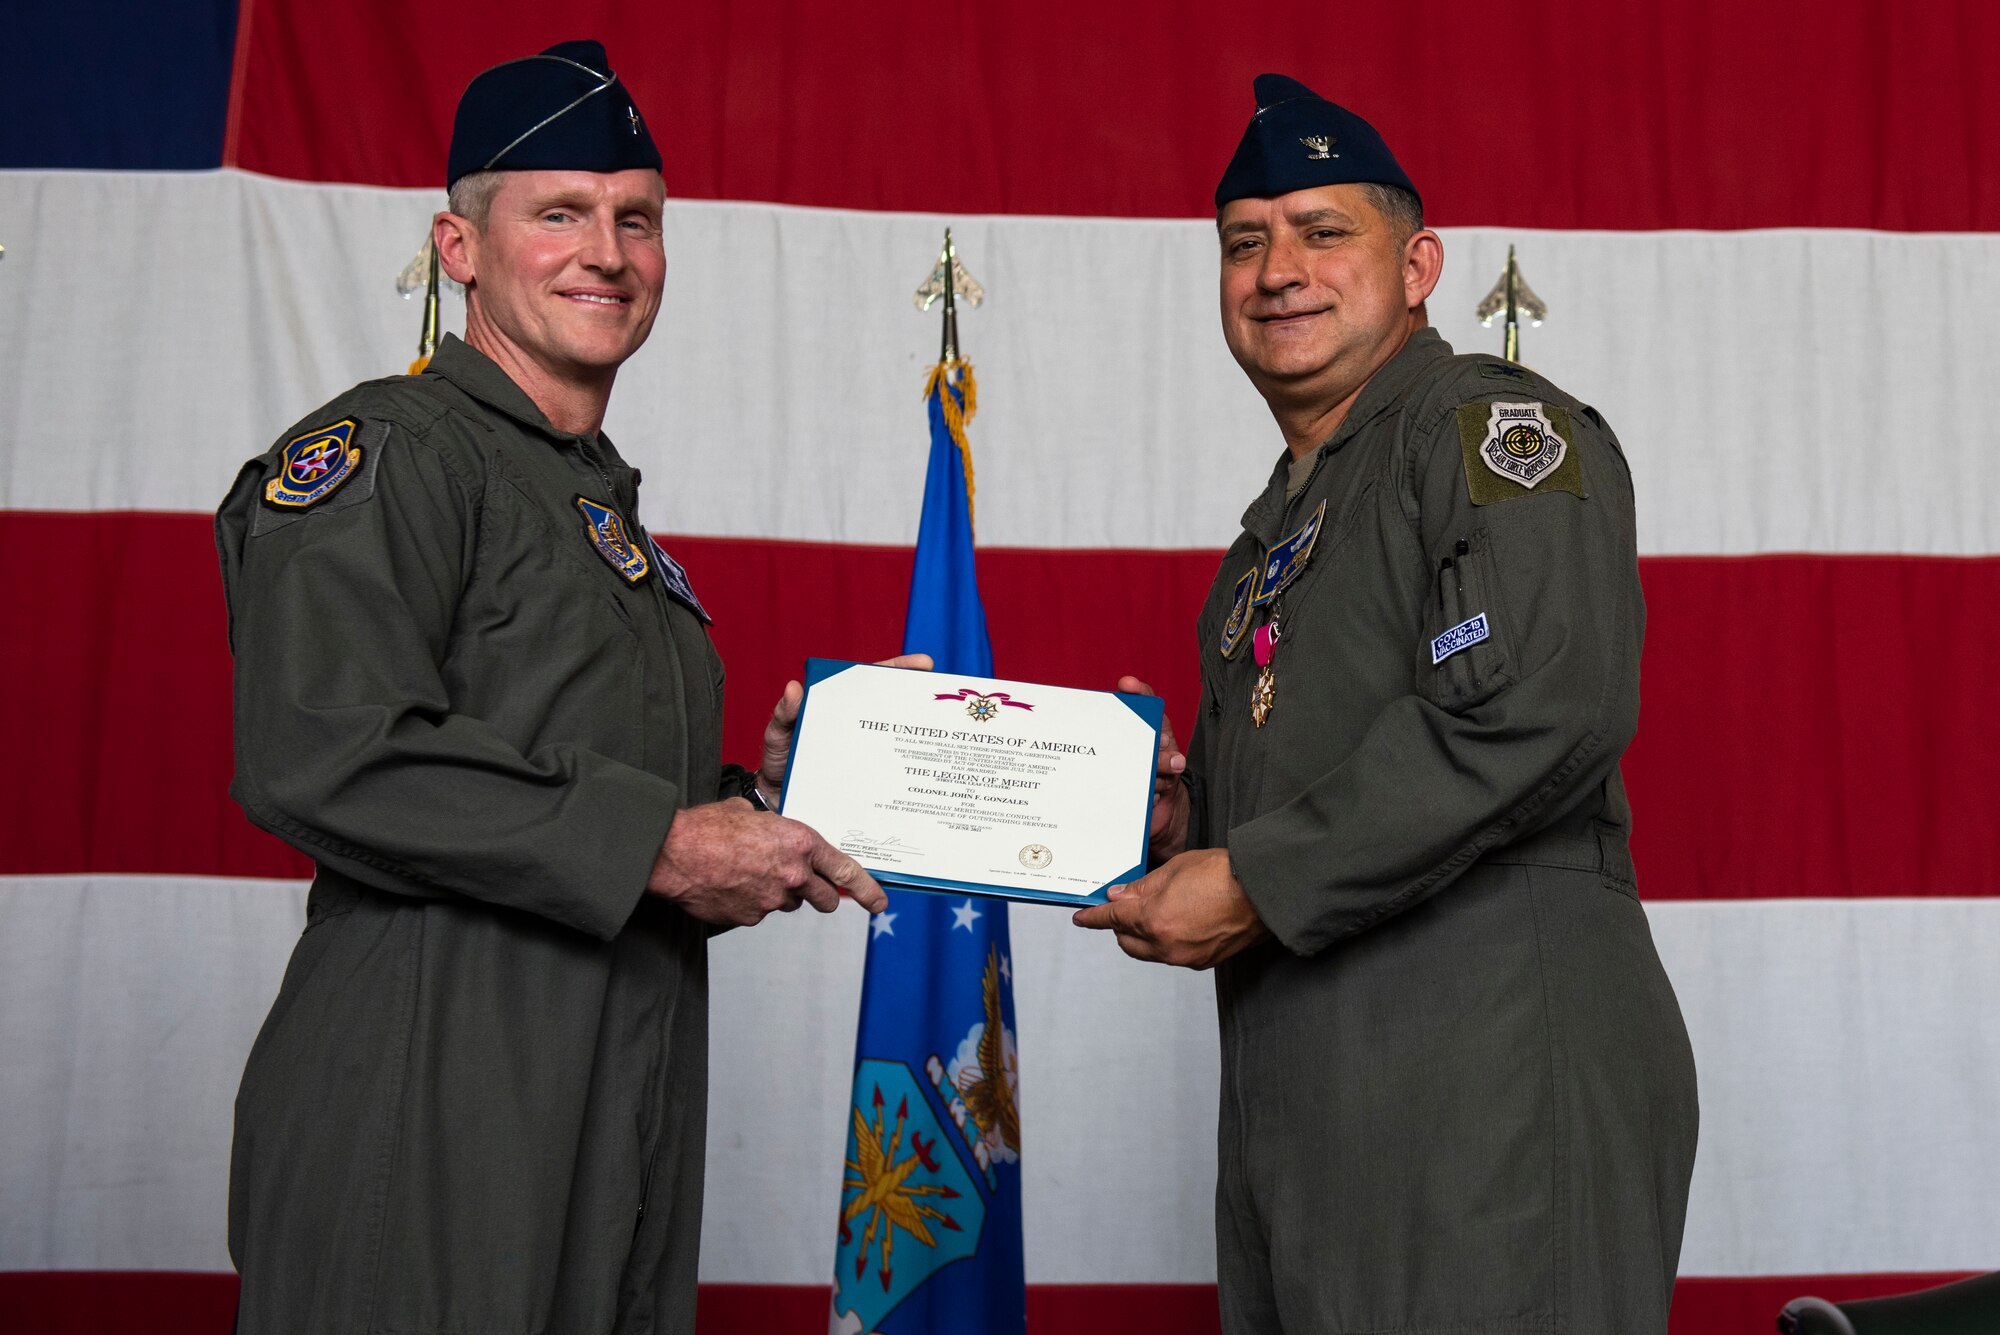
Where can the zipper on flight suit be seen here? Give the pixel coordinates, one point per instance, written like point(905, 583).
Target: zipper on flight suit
point(603, 474)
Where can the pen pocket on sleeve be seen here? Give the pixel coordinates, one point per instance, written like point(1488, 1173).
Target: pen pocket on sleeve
point(1463, 658)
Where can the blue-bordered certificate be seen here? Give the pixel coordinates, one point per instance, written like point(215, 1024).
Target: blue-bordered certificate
point(972, 785)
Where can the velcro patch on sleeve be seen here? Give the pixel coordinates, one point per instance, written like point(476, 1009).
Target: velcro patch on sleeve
point(328, 469)
point(1517, 449)
point(314, 466)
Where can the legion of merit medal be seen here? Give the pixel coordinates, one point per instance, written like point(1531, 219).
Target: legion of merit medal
point(1264, 695)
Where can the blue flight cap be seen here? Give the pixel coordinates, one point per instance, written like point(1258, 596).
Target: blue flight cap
point(1298, 140)
point(563, 110)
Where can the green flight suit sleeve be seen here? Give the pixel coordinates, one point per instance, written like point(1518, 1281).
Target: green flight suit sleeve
point(347, 744)
point(1501, 738)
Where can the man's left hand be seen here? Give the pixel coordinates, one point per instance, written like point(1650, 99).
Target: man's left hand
point(1191, 912)
point(785, 721)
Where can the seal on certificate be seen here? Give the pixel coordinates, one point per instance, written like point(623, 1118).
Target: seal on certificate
point(1036, 856)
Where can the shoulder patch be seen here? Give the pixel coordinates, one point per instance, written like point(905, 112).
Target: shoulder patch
point(608, 535)
point(314, 466)
point(1517, 449)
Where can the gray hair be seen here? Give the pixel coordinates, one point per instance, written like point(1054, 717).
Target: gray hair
point(471, 196)
point(1403, 210)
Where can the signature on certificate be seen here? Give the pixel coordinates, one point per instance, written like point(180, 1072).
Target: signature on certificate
point(860, 841)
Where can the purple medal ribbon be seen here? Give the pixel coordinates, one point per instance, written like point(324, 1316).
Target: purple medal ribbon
point(1264, 642)
point(967, 693)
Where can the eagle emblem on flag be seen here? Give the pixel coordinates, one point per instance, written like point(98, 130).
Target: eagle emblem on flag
point(905, 1188)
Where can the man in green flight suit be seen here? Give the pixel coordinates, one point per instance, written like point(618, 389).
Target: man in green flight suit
point(1457, 1094)
point(474, 690)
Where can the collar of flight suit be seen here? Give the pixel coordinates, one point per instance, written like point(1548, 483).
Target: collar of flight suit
point(481, 377)
point(1265, 519)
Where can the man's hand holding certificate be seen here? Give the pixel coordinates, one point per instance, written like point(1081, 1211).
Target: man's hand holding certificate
point(972, 785)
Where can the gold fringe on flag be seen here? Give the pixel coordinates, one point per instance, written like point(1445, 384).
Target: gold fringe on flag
point(427, 341)
point(957, 374)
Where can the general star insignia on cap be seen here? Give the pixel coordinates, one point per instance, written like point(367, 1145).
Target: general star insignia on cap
point(1516, 449)
point(1268, 163)
point(313, 466)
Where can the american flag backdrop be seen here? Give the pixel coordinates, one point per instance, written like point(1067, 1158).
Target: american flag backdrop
point(1767, 238)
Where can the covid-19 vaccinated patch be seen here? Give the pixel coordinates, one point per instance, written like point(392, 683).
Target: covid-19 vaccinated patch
point(314, 466)
point(1514, 449)
point(1462, 636)
point(613, 543)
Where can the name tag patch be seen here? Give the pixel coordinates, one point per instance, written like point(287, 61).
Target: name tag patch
point(679, 587)
point(1462, 636)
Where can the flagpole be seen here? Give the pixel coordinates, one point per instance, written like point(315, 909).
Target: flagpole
point(1511, 298)
point(930, 1217)
point(949, 352)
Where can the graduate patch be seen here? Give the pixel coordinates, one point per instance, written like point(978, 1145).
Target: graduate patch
point(674, 577)
point(608, 536)
point(314, 466)
point(1513, 449)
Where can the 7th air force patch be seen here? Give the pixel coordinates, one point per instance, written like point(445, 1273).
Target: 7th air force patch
point(1514, 449)
point(314, 466)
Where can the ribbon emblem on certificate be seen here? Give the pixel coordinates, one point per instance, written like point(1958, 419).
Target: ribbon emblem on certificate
point(983, 707)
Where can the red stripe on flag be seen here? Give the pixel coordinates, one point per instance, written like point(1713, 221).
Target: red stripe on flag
point(176, 1303)
point(1564, 114)
point(1807, 724)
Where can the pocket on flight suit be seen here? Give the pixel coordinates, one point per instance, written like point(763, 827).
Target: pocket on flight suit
point(1464, 657)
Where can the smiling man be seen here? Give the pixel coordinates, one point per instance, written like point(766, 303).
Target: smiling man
point(1457, 1094)
point(483, 700)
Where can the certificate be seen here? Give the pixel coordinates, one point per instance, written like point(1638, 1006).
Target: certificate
point(970, 785)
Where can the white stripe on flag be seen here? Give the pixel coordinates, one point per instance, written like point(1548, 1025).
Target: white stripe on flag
point(1846, 1051)
point(1800, 390)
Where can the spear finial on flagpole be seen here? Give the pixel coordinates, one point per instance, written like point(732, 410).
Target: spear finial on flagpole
point(951, 379)
point(949, 282)
point(424, 274)
point(1514, 297)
